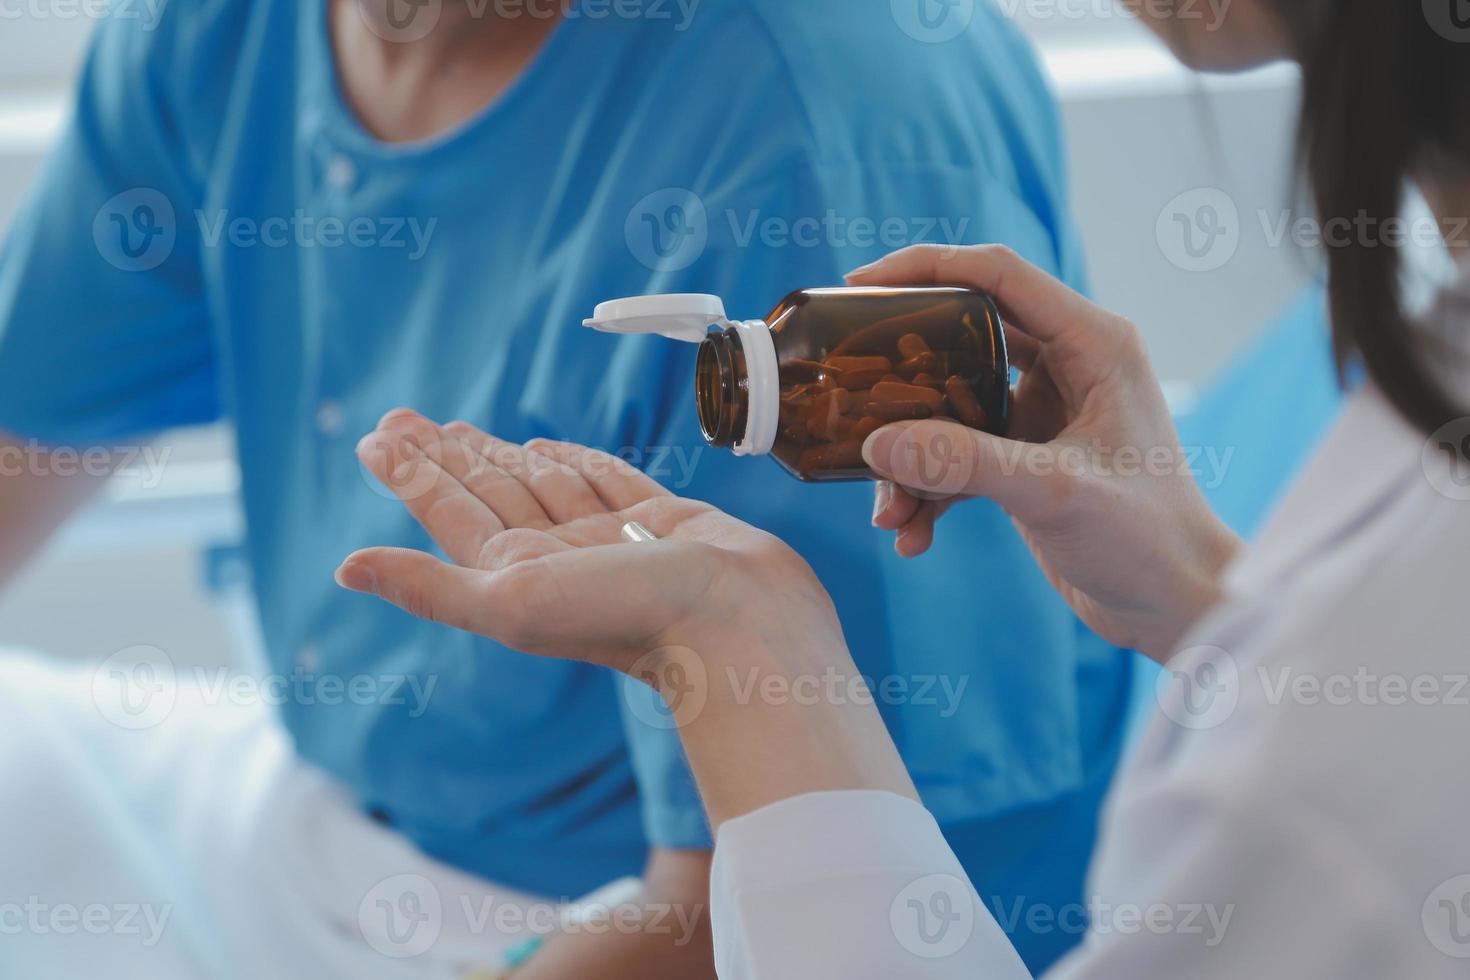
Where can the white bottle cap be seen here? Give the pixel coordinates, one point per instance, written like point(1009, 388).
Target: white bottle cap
point(678, 316)
point(688, 317)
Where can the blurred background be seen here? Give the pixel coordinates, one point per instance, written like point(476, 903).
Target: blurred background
point(159, 563)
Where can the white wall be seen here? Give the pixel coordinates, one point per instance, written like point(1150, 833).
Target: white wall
point(1141, 132)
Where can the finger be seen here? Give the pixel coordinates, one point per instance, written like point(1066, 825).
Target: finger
point(557, 489)
point(418, 583)
point(407, 457)
point(935, 459)
point(618, 483)
point(1022, 350)
point(503, 481)
point(517, 605)
point(917, 534)
point(1034, 301)
point(893, 506)
point(564, 492)
point(493, 480)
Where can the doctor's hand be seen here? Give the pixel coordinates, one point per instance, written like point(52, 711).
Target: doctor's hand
point(1092, 475)
point(539, 561)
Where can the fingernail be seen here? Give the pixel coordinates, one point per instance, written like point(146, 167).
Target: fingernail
point(358, 578)
point(397, 413)
point(863, 270)
point(882, 497)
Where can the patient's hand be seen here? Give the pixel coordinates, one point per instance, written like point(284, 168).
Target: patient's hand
point(535, 532)
point(540, 564)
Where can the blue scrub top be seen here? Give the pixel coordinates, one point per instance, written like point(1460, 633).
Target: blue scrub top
point(217, 237)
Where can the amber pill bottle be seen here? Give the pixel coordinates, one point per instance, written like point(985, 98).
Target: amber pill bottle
point(828, 367)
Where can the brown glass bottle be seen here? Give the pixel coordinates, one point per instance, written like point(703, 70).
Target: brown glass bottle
point(846, 362)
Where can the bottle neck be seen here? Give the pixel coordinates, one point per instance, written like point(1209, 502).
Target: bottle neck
point(722, 389)
point(738, 388)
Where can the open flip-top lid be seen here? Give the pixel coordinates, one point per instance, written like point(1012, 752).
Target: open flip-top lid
point(678, 316)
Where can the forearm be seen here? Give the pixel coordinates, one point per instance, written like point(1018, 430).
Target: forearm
point(663, 934)
point(36, 497)
point(784, 712)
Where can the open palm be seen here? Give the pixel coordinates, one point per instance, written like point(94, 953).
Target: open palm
point(539, 558)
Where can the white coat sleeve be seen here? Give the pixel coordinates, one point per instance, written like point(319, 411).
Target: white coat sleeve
point(849, 885)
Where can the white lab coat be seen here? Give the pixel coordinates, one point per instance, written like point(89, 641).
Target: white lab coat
point(1300, 806)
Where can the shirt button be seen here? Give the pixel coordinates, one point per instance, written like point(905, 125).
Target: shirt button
point(330, 418)
point(341, 173)
point(307, 659)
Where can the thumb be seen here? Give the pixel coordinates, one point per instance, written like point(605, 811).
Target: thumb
point(418, 583)
point(937, 459)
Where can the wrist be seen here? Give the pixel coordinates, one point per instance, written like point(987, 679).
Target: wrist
point(1214, 548)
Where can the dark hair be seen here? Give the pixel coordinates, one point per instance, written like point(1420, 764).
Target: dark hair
point(1384, 91)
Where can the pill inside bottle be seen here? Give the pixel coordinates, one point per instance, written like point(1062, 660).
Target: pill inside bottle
point(828, 367)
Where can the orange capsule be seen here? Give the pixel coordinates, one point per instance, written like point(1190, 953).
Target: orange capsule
point(829, 404)
point(861, 380)
point(918, 364)
point(830, 428)
point(890, 392)
point(835, 456)
point(912, 345)
point(898, 411)
point(967, 407)
point(800, 369)
point(866, 427)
